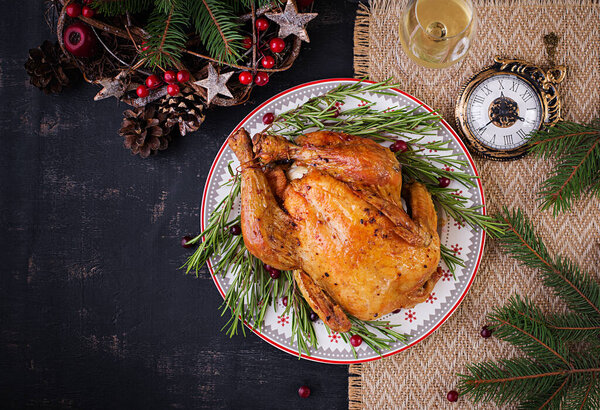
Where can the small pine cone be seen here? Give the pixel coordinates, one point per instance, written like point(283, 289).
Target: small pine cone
point(185, 110)
point(50, 69)
point(145, 130)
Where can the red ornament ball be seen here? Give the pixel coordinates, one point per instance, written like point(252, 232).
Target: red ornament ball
point(170, 77)
point(356, 340)
point(262, 24)
point(185, 242)
point(444, 182)
point(247, 43)
point(277, 45)
point(268, 62)
point(79, 40)
point(73, 10)
point(88, 12)
point(268, 118)
point(235, 230)
point(142, 91)
point(304, 392)
point(399, 146)
point(183, 76)
point(284, 300)
point(485, 332)
point(245, 77)
point(452, 395)
point(173, 90)
point(261, 78)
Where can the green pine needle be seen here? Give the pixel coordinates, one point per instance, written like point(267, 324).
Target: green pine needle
point(562, 370)
point(576, 149)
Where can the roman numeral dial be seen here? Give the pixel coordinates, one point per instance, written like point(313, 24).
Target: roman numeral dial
point(502, 111)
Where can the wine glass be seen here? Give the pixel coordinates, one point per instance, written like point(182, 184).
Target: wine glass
point(437, 33)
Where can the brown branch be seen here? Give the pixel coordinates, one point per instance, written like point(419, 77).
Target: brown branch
point(241, 67)
point(566, 136)
point(552, 268)
point(554, 394)
point(537, 340)
point(164, 36)
point(575, 169)
point(533, 376)
point(587, 392)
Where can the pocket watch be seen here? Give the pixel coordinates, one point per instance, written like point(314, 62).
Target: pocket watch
point(500, 107)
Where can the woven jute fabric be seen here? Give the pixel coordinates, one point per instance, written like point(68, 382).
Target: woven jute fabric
point(420, 377)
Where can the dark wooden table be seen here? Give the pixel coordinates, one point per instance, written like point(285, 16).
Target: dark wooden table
point(94, 312)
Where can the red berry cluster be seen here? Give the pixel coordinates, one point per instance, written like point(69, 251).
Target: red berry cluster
point(276, 45)
point(170, 77)
point(75, 10)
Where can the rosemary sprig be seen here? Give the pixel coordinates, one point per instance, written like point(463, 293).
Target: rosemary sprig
point(379, 335)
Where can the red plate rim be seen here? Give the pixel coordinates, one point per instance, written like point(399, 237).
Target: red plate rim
point(452, 309)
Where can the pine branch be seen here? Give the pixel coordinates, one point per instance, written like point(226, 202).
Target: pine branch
point(578, 289)
point(576, 148)
point(520, 323)
point(116, 7)
point(166, 27)
point(216, 23)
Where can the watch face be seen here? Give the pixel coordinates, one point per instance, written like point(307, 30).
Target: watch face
point(502, 110)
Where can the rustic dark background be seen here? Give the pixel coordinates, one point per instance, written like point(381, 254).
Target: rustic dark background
point(94, 311)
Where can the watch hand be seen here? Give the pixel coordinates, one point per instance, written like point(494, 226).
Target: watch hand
point(520, 118)
point(485, 125)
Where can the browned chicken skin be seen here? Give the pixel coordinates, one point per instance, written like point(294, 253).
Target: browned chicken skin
point(341, 226)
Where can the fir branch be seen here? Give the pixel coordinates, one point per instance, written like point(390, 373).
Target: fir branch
point(166, 27)
point(117, 7)
point(576, 148)
point(216, 23)
point(579, 290)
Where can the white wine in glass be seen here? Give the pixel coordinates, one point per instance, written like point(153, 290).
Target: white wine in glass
point(437, 33)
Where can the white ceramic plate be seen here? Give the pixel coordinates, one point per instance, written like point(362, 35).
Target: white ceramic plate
point(418, 322)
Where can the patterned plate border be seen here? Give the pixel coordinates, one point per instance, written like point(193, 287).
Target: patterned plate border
point(440, 321)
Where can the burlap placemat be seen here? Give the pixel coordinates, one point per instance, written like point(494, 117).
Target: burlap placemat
point(420, 377)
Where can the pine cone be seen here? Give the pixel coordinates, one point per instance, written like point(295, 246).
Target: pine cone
point(185, 110)
point(145, 130)
point(50, 69)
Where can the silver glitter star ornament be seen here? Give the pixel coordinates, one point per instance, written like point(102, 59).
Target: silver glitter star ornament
point(292, 22)
point(215, 84)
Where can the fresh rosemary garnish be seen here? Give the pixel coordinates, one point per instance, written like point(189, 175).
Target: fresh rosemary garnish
point(252, 290)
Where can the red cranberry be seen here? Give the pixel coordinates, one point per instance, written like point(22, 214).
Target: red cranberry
point(452, 395)
point(173, 89)
point(185, 242)
point(247, 43)
point(144, 47)
point(277, 45)
point(356, 340)
point(245, 77)
point(396, 311)
point(304, 392)
point(261, 78)
point(284, 300)
point(399, 146)
point(142, 91)
point(235, 230)
point(170, 77)
point(88, 12)
point(485, 332)
point(444, 182)
point(73, 10)
point(183, 76)
point(262, 24)
point(335, 112)
point(152, 81)
point(268, 62)
point(313, 317)
point(268, 118)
